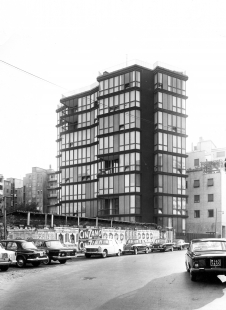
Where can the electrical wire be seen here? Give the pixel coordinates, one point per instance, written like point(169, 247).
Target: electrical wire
point(38, 77)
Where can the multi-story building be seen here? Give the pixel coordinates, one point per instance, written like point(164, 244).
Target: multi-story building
point(53, 192)
point(121, 147)
point(206, 183)
point(16, 192)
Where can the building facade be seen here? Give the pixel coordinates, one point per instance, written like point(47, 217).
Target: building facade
point(206, 183)
point(121, 148)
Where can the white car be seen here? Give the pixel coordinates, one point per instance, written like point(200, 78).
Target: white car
point(6, 258)
point(103, 248)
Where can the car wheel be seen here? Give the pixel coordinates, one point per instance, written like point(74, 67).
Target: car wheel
point(104, 254)
point(146, 251)
point(47, 261)
point(20, 262)
point(63, 261)
point(119, 253)
point(36, 264)
point(193, 277)
point(4, 268)
point(135, 251)
point(87, 255)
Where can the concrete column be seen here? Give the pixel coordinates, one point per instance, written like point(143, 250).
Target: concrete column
point(96, 221)
point(28, 218)
point(52, 220)
point(46, 219)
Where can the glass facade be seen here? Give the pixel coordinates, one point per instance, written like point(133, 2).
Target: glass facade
point(102, 143)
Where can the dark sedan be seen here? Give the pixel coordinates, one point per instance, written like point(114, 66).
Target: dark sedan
point(162, 245)
point(134, 246)
point(55, 250)
point(26, 252)
point(206, 257)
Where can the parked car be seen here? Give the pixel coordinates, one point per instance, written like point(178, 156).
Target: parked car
point(103, 248)
point(26, 252)
point(6, 258)
point(135, 246)
point(180, 244)
point(55, 250)
point(206, 256)
point(162, 245)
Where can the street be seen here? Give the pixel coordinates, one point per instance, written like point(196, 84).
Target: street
point(143, 281)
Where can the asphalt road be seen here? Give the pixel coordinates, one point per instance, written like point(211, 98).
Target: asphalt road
point(144, 281)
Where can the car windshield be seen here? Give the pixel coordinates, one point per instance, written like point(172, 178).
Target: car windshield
point(99, 242)
point(28, 245)
point(159, 241)
point(54, 244)
point(209, 246)
point(133, 241)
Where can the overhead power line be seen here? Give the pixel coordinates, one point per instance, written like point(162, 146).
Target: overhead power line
point(38, 77)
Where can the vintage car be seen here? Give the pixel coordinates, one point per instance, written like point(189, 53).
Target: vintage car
point(206, 257)
point(103, 248)
point(55, 250)
point(180, 244)
point(26, 252)
point(6, 258)
point(162, 245)
point(135, 246)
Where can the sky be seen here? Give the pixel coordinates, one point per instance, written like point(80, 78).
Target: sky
point(66, 43)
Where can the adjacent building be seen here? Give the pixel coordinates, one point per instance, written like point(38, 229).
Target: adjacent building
point(206, 184)
point(121, 147)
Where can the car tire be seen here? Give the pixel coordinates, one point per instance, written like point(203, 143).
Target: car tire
point(47, 261)
point(4, 268)
point(135, 251)
point(104, 254)
point(118, 253)
point(20, 262)
point(87, 255)
point(36, 264)
point(193, 277)
point(63, 261)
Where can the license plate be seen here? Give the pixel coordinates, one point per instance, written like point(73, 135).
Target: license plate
point(215, 262)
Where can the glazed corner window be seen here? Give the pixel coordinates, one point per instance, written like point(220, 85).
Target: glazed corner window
point(211, 213)
point(210, 197)
point(196, 198)
point(196, 183)
point(196, 162)
point(210, 182)
point(196, 213)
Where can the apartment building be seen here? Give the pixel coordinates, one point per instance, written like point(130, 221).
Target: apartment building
point(206, 183)
point(122, 147)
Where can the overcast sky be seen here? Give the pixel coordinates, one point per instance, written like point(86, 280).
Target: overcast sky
point(68, 42)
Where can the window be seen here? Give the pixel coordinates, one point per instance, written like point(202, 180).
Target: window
point(210, 197)
point(210, 182)
point(196, 213)
point(196, 183)
point(196, 198)
point(196, 162)
point(210, 213)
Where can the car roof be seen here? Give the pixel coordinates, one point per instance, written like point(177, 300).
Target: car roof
point(14, 240)
point(208, 239)
point(43, 240)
